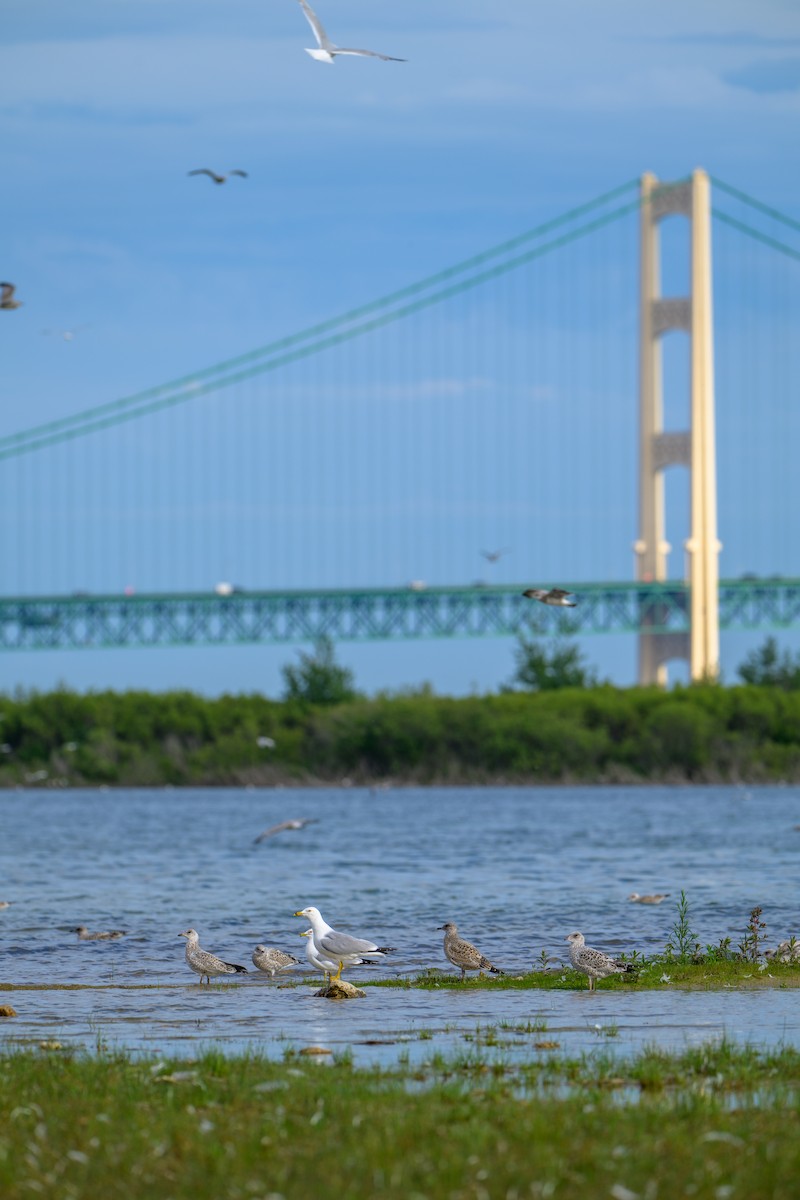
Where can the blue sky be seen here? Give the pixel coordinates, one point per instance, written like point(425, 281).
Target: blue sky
point(362, 177)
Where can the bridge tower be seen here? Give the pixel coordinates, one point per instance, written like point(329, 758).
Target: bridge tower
point(694, 449)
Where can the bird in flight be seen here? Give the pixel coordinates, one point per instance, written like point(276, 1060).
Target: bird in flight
point(297, 823)
point(213, 174)
point(7, 296)
point(327, 49)
point(556, 596)
point(494, 556)
point(68, 335)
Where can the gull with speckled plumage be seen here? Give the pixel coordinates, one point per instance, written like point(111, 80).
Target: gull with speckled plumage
point(463, 954)
point(593, 963)
point(205, 964)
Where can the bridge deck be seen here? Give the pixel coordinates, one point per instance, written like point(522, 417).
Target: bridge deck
point(94, 622)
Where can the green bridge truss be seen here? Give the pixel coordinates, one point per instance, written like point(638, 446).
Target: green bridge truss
point(379, 614)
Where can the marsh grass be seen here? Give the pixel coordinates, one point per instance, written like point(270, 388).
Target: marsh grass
point(465, 1126)
point(708, 973)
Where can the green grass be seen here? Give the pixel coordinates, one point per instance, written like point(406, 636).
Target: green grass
point(716, 1123)
point(651, 974)
point(654, 973)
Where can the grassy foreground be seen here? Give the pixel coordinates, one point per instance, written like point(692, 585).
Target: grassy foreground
point(245, 1127)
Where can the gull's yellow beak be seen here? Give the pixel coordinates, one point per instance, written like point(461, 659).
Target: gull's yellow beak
point(299, 914)
point(303, 934)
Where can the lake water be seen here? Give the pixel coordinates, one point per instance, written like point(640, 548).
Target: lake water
point(516, 868)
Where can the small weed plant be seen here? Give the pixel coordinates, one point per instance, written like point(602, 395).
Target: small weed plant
point(683, 944)
point(750, 945)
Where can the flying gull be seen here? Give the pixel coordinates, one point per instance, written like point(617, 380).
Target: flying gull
point(205, 964)
point(297, 823)
point(555, 596)
point(341, 948)
point(213, 174)
point(327, 49)
point(463, 954)
point(655, 898)
point(109, 935)
point(593, 963)
point(67, 335)
point(7, 296)
point(494, 556)
point(270, 960)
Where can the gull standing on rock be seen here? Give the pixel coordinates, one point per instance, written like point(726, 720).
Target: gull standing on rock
point(593, 963)
point(326, 964)
point(270, 961)
point(463, 954)
point(109, 935)
point(341, 948)
point(317, 961)
point(205, 964)
point(328, 49)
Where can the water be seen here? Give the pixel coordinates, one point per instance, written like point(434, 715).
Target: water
point(516, 868)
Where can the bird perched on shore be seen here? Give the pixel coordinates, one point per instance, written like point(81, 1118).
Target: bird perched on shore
point(593, 963)
point(655, 898)
point(463, 954)
point(7, 296)
point(109, 935)
point(296, 823)
point(318, 962)
point(270, 961)
point(337, 947)
point(327, 49)
point(204, 964)
point(213, 174)
point(555, 596)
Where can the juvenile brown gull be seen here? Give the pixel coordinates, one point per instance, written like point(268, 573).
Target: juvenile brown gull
point(655, 898)
point(555, 596)
point(296, 823)
point(270, 960)
point(593, 963)
point(205, 964)
point(463, 954)
point(7, 296)
point(327, 49)
point(108, 935)
point(338, 947)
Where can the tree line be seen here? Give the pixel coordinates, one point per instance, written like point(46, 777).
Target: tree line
point(323, 730)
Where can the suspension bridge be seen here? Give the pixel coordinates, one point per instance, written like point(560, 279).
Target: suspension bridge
point(405, 469)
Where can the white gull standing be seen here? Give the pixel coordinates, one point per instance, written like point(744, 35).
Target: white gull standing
point(593, 963)
point(327, 49)
point(338, 947)
point(317, 961)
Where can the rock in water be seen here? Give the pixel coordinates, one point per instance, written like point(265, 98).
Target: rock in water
point(338, 989)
